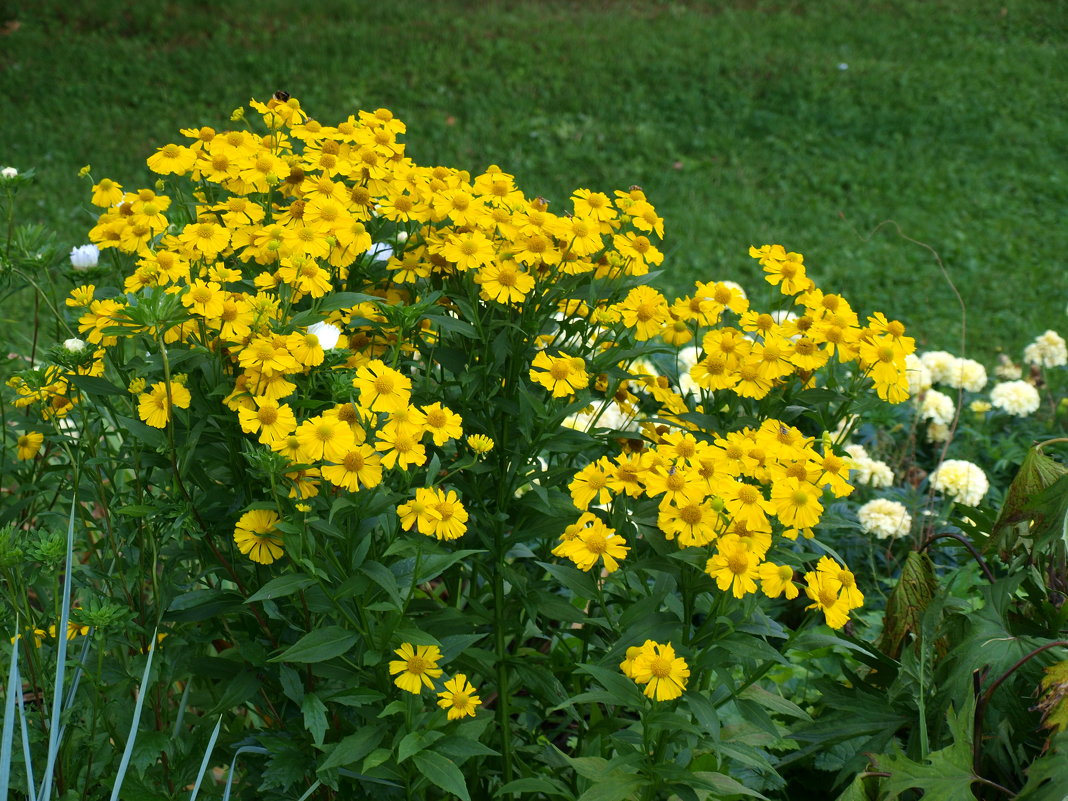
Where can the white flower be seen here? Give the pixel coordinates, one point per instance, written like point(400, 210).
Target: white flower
point(74, 345)
point(961, 480)
point(937, 407)
point(8, 173)
point(843, 66)
point(938, 432)
point(918, 375)
point(966, 374)
point(1006, 369)
point(1015, 397)
point(326, 333)
point(1048, 350)
point(884, 518)
point(865, 470)
point(84, 257)
point(939, 363)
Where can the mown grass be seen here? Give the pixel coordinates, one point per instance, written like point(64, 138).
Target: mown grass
point(805, 123)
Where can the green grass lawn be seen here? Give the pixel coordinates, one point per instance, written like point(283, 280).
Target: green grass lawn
point(804, 123)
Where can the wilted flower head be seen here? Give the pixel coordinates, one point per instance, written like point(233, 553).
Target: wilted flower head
point(961, 480)
point(1015, 397)
point(84, 257)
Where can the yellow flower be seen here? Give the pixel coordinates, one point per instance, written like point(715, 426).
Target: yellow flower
point(646, 311)
point(734, 567)
point(416, 667)
point(29, 444)
point(459, 697)
point(256, 536)
point(154, 407)
point(561, 375)
point(663, 674)
point(442, 423)
point(480, 443)
point(823, 590)
point(381, 388)
point(589, 541)
point(271, 421)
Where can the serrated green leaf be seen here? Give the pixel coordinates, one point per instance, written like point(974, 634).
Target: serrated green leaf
point(318, 646)
point(945, 775)
point(314, 711)
point(442, 772)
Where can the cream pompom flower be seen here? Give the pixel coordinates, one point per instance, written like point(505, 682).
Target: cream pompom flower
point(961, 480)
point(1018, 398)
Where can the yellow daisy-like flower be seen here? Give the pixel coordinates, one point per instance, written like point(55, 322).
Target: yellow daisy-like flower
point(154, 408)
point(442, 423)
point(562, 375)
point(270, 420)
point(381, 388)
point(418, 664)
point(663, 674)
point(256, 536)
point(459, 697)
point(480, 443)
point(29, 444)
point(591, 541)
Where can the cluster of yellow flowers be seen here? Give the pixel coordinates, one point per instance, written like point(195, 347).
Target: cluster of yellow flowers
point(417, 667)
point(286, 228)
point(716, 495)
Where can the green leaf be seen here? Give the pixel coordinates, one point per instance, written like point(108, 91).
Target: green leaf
point(345, 300)
point(281, 586)
point(92, 385)
point(773, 702)
point(461, 748)
point(1037, 473)
point(442, 771)
point(907, 602)
point(540, 785)
point(318, 646)
point(580, 583)
point(722, 784)
point(414, 742)
point(945, 775)
point(314, 712)
point(616, 787)
point(353, 748)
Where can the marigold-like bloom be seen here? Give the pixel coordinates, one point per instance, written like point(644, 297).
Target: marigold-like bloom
point(416, 667)
point(1018, 398)
point(961, 480)
point(459, 697)
point(257, 537)
point(884, 518)
point(662, 672)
